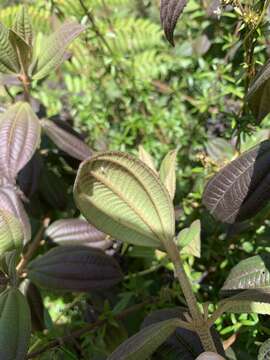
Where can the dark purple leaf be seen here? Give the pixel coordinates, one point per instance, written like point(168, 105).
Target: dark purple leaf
point(170, 10)
point(77, 232)
point(29, 176)
point(74, 268)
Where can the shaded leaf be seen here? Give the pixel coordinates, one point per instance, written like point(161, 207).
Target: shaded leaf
point(123, 197)
point(67, 142)
point(74, 268)
point(29, 176)
point(8, 59)
point(182, 344)
point(77, 232)
point(20, 136)
point(22, 50)
point(190, 239)
point(201, 45)
point(9, 261)
point(167, 172)
point(219, 149)
point(251, 273)
point(259, 92)
point(54, 48)
point(22, 25)
point(11, 233)
point(10, 201)
point(264, 352)
point(144, 343)
point(147, 158)
point(239, 190)
point(170, 10)
point(210, 356)
point(15, 325)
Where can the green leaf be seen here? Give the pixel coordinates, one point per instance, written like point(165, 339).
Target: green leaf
point(144, 343)
point(219, 149)
point(249, 301)
point(264, 352)
point(15, 325)
point(22, 50)
point(8, 58)
point(22, 25)
point(147, 158)
point(122, 197)
point(189, 239)
point(11, 232)
point(54, 49)
point(167, 172)
point(210, 356)
point(8, 263)
point(251, 273)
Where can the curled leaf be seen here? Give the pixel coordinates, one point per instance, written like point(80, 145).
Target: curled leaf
point(167, 172)
point(66, 141)
point(239, 190)
point(123, 197)
point(170, 10)
point(77, 232)
point(20, 136)
point(146, 158)
point(74, 268)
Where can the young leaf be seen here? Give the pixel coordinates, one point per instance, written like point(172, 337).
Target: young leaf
point(54, 49)
point(15, 325)
point(251, 273)
point(67, 142)
point(22, 50)
point(167, 172)
point(10, 201)
point(190, 239)
point(8, 58)
point(264, 352)
point(239, 190)
point(259, 92)
point(20, 136)
point(144, 343)
point(122, 197)
point(74, 268)
point(22, 25)
point(77, 232)
point(210, 356)
point(11, 232)
point(170, 10)
point(146, 158)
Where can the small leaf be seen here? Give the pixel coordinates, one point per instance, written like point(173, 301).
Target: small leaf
point(144, 343)
point(8, 58)
point(20, 136)
point(54, 48)
point(147, 158)
point(10, 201)
point(22, 25)
point(219, 150)
point(22, 50)
point(74, 268)
point(15, 325)
point(264, 352)
point(122, 197)
point(190, 239)
point(170, 10)
point(239, 190)
point(259, 92)
point(67, 142)
point(167, 172)
point(77, 232)
point(251, 273)
point(210, 356)
point(11, 233)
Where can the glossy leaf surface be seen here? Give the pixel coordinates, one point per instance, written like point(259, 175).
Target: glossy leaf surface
point(123, 197)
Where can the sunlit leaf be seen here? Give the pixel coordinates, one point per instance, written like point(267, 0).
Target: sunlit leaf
point(8, 58)
point(189, 239)
point(20, 136)
point(15, 325)
point(239, 190)
point(122, 197)
point(144, 343)
point(54, 48)
point(167, 172)
point(11, 232)
point(22, 50)
point(146, 158)
point(74, 268)
point(210, 356)
point(22, 25)
point(170, 10)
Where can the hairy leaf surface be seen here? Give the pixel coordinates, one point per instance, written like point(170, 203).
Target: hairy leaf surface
point(144, 343)
point(20, 136)
point(67, 142)
point(146, 158)
point(239, 190)
point(23, 51)
point(189, 239)
point(11, 232)
point(22, 25)
point(170, 10)
point(74, 268)
point(77, 232)
point(167, 172)
point(8, 58)
point(123, 197)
